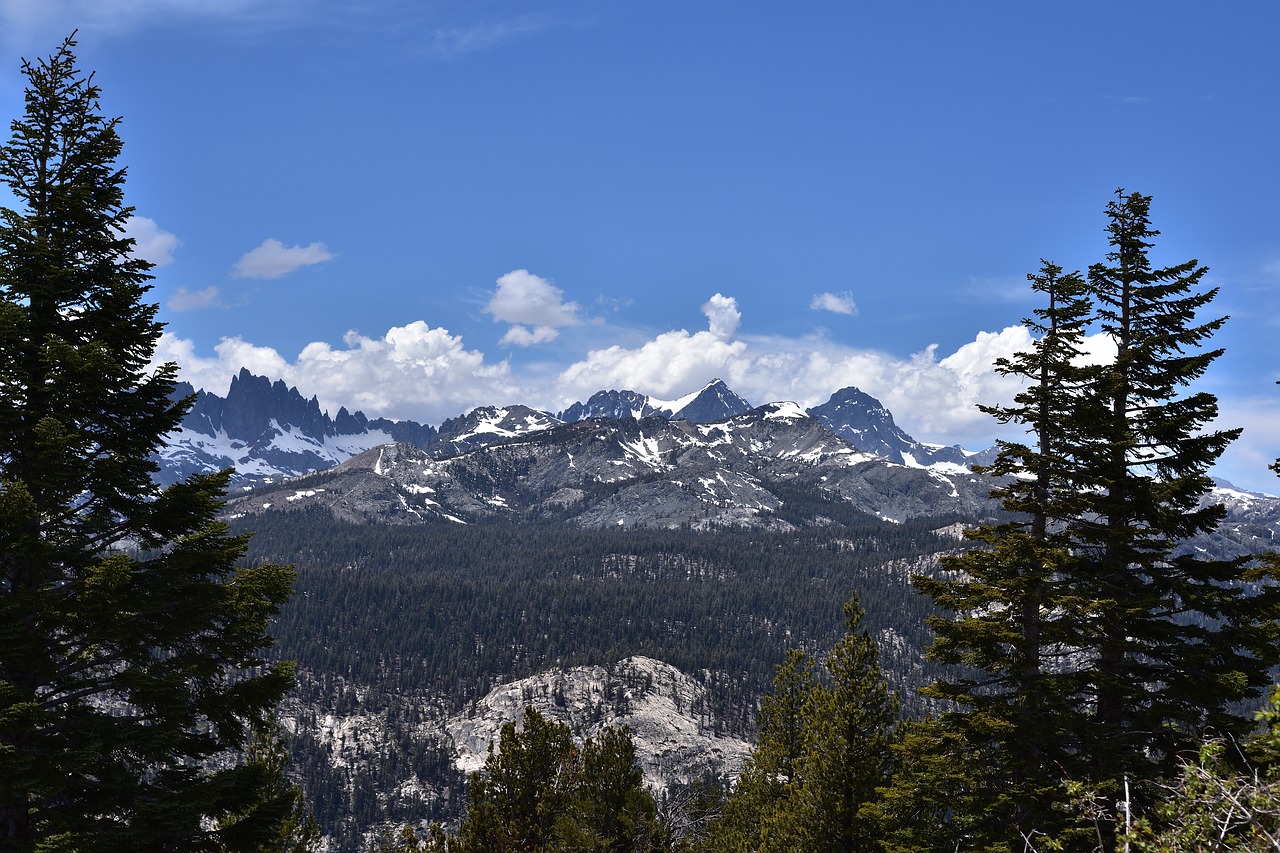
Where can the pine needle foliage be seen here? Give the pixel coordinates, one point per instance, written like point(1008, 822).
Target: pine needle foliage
point(1099, 648)
point(130, 668)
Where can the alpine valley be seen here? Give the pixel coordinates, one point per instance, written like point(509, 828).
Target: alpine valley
point(627, 561)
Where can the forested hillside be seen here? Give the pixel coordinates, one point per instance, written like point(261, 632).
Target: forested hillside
point(414, 623)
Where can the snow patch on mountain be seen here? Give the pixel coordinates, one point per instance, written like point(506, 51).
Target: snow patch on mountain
point(784, 411)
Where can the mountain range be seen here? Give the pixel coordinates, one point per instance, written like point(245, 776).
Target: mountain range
point(268, 431)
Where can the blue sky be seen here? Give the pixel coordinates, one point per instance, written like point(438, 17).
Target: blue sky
point(414, 208)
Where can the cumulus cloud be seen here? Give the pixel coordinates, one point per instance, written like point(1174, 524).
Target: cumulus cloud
point(836, 303)
point(151, 243)
point(534, 306)
point(273, 259)
point(723, 314)
point(933, 397)
point(413, 371)
point(193, 300)
point(427, 374)
point(416, 371)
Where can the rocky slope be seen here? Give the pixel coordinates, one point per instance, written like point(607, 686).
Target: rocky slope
point(415, 758)
point(675, 734)
point(648, 472)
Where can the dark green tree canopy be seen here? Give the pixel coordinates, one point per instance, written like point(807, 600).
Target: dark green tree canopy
point(1098, 648)
point(129, 640)
point(539, 792)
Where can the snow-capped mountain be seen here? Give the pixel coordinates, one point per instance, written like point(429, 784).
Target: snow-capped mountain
point(713, 402)
point(861, 420)
point(267, 431)
point(704, 460)
point(489, 425)
point(646, 472)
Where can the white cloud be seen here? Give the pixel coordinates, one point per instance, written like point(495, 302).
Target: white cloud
point(39, 22)
point(527, 300)
point(427, 374)
point(452, 42)
point(150, 242)
point(192, 300)
point(933, 398)
point(522, 336)
point(416, 371)
point(836, 303)
point(723, 313)
point(274, 259)
point(413, 371)
point(522, 297)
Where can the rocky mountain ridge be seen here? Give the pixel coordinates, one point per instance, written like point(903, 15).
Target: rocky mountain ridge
point(738, 473)
point(676, 737)
point(268, 431)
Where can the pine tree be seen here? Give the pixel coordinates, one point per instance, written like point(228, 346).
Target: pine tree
point(765, 783)
point(823, 754)
point(1102, 648)
point(611, 809)
point(1175, 640)
point(1007, 594)
point(538, 791)
point(848, 756)
point(129, 642)
point(524, 789)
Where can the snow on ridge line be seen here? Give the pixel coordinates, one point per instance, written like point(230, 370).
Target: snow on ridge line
point(784, 410)
point(674, 406)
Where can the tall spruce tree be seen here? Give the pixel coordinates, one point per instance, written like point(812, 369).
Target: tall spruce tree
point(130, 669)
point(1007, 595)
point(1174, 640)
point(1101, 646)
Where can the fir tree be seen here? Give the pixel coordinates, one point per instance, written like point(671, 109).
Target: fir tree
point(1007, 595)
point(129, 643)
point(1101, 648)
point(847, 757)
point(1174, 640)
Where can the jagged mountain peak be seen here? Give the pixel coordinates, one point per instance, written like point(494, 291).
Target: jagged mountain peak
point(868, 425)
point(713, 402)
point(486, 425)
point(267, 430)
